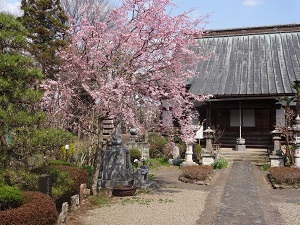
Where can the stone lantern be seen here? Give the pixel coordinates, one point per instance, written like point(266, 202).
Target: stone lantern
point(276, 135)
point(277, 157)
point(296, 143)
point(189, 155)
point(207, 156)
point(208, 135)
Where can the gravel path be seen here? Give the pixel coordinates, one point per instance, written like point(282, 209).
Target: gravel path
point(238, 195)
point(172, 203)
point(170, 206)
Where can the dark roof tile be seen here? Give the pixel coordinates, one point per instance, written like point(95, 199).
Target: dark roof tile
point(248, 64)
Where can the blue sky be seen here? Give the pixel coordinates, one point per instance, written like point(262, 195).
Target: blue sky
point(227, 13)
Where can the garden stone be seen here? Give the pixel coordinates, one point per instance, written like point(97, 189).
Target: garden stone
point(140, 176)
point(75, 204)
point(62, 218)
point(175, 152)
point(200, 182)
point(83, 193)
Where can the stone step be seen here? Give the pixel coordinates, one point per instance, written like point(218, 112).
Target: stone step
point(257, 156)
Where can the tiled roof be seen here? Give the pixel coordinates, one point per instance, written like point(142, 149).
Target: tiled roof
point(265, 63)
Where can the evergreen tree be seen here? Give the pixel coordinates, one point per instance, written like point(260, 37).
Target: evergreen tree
point(45, 20)
point(19, 92)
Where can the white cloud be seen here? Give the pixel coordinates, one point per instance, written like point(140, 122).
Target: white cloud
point(13, 8)
point(252, 2)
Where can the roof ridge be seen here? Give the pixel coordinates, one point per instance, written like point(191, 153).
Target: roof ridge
point(253, 30)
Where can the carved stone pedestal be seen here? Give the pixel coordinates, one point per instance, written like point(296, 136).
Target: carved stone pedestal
point(276, 160)
point(207, 159)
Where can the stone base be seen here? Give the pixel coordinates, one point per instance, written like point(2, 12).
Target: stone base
point(207, 159)
point(175, 162)
point(149, 185)
point(276, 160)
point(240, 147)
point(188, 164)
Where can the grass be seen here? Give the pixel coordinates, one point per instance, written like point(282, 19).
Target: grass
point(143, 201)
point(99, 200)
point(136, 199)
point(165, 200)
point(157, 162)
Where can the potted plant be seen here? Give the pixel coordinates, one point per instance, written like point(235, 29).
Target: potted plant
point(124, 190)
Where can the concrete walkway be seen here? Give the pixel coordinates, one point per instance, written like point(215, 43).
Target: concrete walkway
point(241, 195)
point(240, 202)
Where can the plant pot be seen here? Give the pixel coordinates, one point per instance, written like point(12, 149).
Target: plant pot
point(123, 191)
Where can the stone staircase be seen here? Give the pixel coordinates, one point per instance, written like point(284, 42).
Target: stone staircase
point(258, 156)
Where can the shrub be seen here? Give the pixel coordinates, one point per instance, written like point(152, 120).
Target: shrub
point(36, 209)
point(90, 171)
point(197, 150)
point(220, 163)
point(10, 197)
point(22, 179)
point(66, 181)
point(135, 154)
point(77, 176)
point(157, 145)
point(157, 162)
point(198, 173)
point(60, 162)
point(285, 175)
point(265, 167)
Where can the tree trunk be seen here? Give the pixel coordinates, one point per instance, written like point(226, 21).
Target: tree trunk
point(298, 104)
point(4, 152)
point(97, 170)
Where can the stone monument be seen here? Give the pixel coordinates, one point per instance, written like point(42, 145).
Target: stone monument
point(116, 164)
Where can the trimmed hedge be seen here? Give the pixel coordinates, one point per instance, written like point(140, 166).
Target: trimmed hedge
point(10, 197)
point(198, 173)
point(78, 176)
point(285, 175)
point(37, 209)
point(66, 181)
point(135, 154)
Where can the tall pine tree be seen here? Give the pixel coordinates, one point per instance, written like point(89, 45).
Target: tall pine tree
point(19, 92)
point(45, 20)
